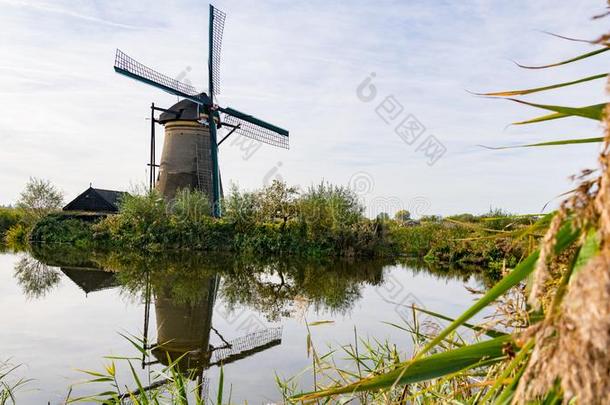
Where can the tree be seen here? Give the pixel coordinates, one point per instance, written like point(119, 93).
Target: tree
point(277, 201)
point(39, 198)
point(402, 216)
point(383, 216)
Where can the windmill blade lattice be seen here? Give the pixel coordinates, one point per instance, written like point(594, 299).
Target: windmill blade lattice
point(258, 130)
point(128, 66)
point(248, 345)
point(217, 25)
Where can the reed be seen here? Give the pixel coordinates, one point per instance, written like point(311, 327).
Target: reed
point(9, 385)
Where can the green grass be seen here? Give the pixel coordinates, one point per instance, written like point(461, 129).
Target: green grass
point(171, 385)
point(10, 385)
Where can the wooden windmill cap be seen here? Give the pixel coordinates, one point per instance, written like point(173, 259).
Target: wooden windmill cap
point(185, 110)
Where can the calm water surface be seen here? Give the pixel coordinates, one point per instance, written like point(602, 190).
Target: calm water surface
point(63, 311)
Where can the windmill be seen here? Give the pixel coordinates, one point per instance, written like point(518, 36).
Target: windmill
point(183, 334)
point(197, 167)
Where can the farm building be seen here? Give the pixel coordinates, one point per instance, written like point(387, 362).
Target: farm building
point(96, 200)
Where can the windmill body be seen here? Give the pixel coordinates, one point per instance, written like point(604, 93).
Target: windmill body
point(190, 151)
point(186, 158)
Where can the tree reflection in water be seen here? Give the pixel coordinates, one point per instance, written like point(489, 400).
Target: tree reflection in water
point(35, 278)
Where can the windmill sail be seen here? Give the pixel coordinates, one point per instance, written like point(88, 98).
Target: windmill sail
point(130, 67)
point(251, 127)
point(247, 345)
point(217, 25)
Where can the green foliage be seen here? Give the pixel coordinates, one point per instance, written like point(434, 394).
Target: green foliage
point(9, 217)
point(38, 199)
point(492, 240)
point(383, 216)
point(17, 236)
point(190, 205)
point(402, 216)
point(147, 221)
point(276, 202)
point(61, 228)
point(329, 207)
point(431, 218)
point(324, 221)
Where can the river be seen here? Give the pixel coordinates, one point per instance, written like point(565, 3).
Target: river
point(63, 311)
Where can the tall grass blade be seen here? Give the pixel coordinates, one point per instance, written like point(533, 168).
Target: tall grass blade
point(565, 62)
point(593, 112)
point(543, 118)
point(544, 88)
point(550, 143)
point(221, 381)
point(489, 332)
point(590, 249)
point(141, 389)
point(516, 362)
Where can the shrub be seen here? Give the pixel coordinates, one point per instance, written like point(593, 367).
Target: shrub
point(17, 236)
point(60, 228)
point(191, 205)
point(9, 217)
point(240, 208)
point(326, 208)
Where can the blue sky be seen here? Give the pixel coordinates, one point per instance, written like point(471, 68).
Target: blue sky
point(69, 118)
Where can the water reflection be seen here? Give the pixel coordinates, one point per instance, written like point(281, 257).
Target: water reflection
point(183, 334)
point(35, 277)
point(275, 287)
point(184, 294)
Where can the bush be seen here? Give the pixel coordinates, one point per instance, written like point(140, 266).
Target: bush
point(60, 228)
point(9, 217)
point(191, 205)
point(17, 236)
point(402, 216)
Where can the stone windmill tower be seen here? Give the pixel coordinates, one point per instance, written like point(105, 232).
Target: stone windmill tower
point(186, 160)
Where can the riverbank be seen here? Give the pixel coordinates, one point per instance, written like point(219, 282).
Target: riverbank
point(324, 221)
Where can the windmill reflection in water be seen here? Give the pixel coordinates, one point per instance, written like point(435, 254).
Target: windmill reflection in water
point(184, 327)
point(183, 334)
